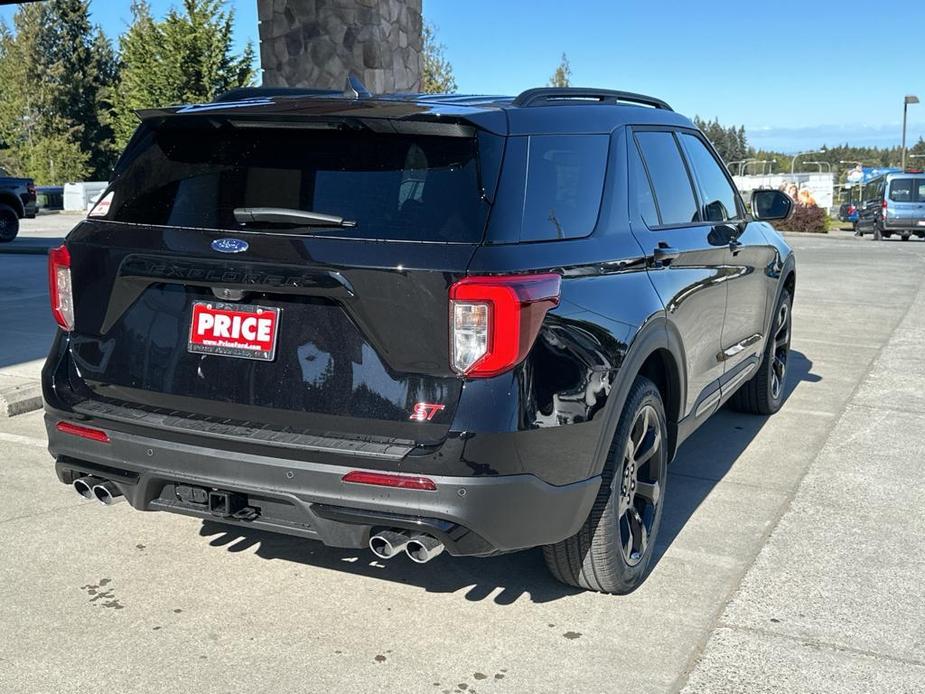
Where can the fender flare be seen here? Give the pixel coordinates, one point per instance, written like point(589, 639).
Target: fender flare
point(788, 268)
point(655, 334)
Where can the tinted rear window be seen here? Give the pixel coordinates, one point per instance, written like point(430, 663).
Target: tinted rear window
point(565, 180)
point(396, 187)
point(907, 190)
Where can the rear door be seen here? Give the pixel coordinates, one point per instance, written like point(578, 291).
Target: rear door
point(359, 312)
point(871, 205)
point(690, 277)
point(906, 203)
point(748, 255)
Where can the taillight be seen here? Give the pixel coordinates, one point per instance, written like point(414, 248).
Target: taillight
point(852, 209)
point(380, 479)
point(494, 321)
point(59, 287)
point(83, 432)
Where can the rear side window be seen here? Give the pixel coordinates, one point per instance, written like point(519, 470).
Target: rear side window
point(395, 187)
point(719, 199)
point(564, 185)
point(668, 174)
point(907, 190)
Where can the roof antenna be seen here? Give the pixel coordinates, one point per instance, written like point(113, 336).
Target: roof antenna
point(355, 89)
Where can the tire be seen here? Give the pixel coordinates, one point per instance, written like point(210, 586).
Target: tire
point(606, 555)
point(9, 224)
point(905, 237)
point(764, 392)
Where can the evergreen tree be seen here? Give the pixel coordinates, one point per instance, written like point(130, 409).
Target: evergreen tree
point(53, 125)
point(436, 71)
point(562, 77)
point(185, 58)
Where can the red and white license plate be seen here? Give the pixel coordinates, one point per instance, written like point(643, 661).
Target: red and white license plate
point(234, 330)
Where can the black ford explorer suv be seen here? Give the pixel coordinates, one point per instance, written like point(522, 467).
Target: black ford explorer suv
point(415, 323)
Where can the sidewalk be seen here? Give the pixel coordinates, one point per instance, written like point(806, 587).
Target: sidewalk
point(835, 601)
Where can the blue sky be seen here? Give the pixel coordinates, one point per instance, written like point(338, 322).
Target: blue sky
point(787, 71)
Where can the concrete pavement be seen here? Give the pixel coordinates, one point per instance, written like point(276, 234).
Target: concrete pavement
point(790, 557)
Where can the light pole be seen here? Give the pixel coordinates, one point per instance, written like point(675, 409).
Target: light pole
point(793, 163)
point(910, 99)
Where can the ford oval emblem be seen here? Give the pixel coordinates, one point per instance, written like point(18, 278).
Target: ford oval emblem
point(229, 245)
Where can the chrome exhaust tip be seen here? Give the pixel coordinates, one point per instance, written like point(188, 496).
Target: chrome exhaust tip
point(422, 548)
point(107, 493)
point(84, 486)
point(388, 543)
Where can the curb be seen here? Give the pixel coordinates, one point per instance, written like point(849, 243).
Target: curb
point(20, 399)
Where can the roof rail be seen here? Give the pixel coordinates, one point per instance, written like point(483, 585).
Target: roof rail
point(554, 96)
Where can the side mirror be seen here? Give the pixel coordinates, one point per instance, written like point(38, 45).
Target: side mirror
point(771, 205)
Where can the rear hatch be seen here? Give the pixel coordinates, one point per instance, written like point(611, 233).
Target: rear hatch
point(344, 236)
point(906, 202)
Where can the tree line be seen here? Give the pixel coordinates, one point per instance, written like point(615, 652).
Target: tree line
point(69, 95)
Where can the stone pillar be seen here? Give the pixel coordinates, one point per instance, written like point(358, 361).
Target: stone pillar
point(315, 43)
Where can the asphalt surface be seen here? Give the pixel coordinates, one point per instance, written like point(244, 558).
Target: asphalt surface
point(791, 556)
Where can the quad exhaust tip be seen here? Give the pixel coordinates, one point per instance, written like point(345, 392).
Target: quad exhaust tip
point(107, 493)
point(84, 486)
point(388, 543)
point(420, 548)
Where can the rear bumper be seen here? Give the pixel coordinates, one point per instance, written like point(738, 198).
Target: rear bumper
point(910, 225)
point(471, 515)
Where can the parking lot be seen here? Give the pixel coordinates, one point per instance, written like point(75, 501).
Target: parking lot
point(791, 556)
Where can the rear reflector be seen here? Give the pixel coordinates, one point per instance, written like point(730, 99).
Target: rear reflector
point(494, 321)
point(385, 480)
point(82, 432)
point(59, 287)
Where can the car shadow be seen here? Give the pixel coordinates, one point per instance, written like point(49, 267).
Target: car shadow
point(708, 455)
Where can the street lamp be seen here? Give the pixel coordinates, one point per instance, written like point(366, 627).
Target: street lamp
point(793, 164)
point(908, 100)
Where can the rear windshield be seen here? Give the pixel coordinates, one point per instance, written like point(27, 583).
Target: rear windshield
point(395, 187)
point(907, 190)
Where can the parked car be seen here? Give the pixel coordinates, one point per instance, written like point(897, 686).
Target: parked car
point(17, 200)
point(894, 203)
point(416, 323)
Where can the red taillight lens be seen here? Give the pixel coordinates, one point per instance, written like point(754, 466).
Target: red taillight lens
point(380, 479)
point(83, 432)
point(495, 320)
point(852, 209)
point(59, 287)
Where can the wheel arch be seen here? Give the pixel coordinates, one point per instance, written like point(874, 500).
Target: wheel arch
point(14, 202)
point(656, 353)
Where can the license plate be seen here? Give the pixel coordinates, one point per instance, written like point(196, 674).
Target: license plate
point(922, 223)
point(234, 330)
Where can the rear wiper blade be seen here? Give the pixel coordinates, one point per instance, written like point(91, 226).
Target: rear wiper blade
point(284, 215)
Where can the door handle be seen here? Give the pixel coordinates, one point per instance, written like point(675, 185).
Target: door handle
point(664, 254)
